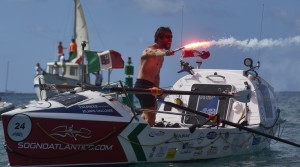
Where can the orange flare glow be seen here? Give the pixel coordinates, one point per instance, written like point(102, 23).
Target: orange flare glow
point(204, 44)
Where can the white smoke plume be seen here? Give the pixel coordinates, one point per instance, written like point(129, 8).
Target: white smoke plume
point(255, 43)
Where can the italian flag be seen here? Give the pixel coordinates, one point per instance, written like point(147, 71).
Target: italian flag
point(103, 60)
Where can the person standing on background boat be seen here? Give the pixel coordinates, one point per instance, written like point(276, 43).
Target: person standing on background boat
point(55, 68)
point(60, 49)
point(151, 62)
point(63, 65)
point(73, 48)
point(98, 79)
point(38, 69)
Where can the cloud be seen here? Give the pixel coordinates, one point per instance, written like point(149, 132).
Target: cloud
point(160, 7)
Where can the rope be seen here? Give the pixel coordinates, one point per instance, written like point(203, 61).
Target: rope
point(237, 145)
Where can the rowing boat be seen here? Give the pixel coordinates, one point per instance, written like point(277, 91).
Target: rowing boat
point(208, 113)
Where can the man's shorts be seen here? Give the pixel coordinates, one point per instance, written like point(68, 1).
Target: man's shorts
point(146, 100)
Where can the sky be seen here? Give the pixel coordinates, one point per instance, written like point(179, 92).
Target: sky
point(264, 30)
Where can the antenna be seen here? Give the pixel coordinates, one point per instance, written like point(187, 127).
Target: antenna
point(181, 24)
point(261, 26)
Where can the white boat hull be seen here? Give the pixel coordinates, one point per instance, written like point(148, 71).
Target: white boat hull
point(90, 141)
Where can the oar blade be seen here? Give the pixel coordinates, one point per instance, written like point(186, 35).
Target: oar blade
point(242, 96)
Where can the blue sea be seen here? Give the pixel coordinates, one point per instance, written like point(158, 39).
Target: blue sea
point(279, 155)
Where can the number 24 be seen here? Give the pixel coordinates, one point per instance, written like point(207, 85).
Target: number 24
point(20, 126)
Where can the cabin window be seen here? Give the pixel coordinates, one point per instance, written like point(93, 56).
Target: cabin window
point(207, 104)
point(74, 71)
point(50, 70)
point(266, 100)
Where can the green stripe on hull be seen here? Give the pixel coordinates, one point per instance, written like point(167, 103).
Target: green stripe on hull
point(135, 143)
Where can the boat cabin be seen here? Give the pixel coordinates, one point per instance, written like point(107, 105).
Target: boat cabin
point(72, 71)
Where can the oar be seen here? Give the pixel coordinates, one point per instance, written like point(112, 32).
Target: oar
point(163, 112)
point(231, 124)
point(242, 96)
point(62, 86)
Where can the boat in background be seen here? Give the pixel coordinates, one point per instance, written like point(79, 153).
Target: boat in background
point(5, 106)
point(208, 113)
point(73, 69)
point(76, 70)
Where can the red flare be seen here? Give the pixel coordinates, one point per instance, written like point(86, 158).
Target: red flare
point(204, 44)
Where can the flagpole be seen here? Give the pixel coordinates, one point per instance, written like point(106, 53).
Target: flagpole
point(83, 44)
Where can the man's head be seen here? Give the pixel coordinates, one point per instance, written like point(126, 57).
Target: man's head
point(163, 37)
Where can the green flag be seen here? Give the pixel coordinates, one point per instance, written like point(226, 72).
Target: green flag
point(93, 61)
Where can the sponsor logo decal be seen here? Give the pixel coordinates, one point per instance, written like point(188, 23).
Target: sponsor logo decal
point(99, 108)
point(186, 148)
point(226, 147)
point(69, 131)
point(226, 135)
point(69, 147)
point(171, 153)
point(152, 153)
point(94, 109)
point(153, 134)
point(161, 152)
point(212, 150)
point(200, 137)
point(198, 153)
point(212, 135)
point(181, 135)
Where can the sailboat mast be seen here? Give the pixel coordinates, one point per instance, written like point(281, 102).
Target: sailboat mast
point(75, 20)
point(80, 28)
point(80, 33)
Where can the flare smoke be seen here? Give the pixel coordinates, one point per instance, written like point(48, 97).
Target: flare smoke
point(254, 43)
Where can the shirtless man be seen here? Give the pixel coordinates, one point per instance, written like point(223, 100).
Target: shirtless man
point(150, 64)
